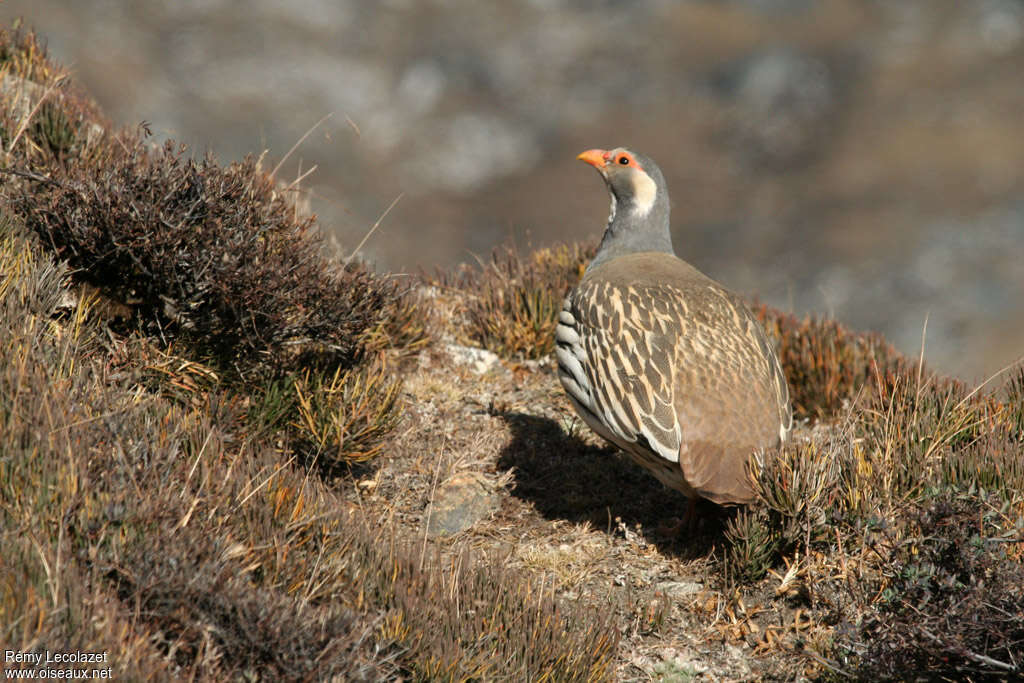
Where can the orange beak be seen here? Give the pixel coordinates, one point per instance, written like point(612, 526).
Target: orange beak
point(594, 157)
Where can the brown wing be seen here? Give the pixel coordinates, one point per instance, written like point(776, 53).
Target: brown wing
point(624, 352)
point(731, 398)
point(676, 371)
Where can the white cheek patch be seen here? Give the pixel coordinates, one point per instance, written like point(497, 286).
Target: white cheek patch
point(644, 192)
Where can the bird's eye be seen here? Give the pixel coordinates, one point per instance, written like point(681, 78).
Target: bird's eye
point(624, 160)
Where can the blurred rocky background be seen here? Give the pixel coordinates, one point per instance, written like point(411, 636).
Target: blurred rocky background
point(858, 158)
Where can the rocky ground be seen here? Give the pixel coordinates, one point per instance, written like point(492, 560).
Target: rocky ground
point(490, 457)
point(855, 158)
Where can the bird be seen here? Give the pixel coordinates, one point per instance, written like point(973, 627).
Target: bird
point(662, 361)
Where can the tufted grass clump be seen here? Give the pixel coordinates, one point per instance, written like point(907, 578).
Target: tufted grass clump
point(515, 299)
point(827, 366)
point(44, 117)
point(53, 130)
point(753, 544)
point(346, 415)
point(934, 434)
point(799, 491)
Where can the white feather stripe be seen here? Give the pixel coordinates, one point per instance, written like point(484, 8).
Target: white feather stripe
point(664, 440)
point(573, 377)
point(617, 420)
point(607, 406)
point(668, 451)
point(567, 335)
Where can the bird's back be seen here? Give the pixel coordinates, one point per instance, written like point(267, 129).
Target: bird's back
point(665, 363)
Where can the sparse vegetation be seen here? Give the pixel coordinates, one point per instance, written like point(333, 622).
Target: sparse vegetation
point(208, 255)
point(211, 466)
point(892, 439)
point(515, 300)
point(828, 366)
point(152, 504)
point(917, 496)
point(178, 544)
point(210, 261)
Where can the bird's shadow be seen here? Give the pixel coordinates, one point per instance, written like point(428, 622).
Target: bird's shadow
point(564, 477)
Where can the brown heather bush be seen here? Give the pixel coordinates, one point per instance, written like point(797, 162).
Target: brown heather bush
point(215, 263)
point(162, 533)
point(515, 300)
point(207, 254)
point(210, 262)
point(827, 365)
point(951, 604)
point(917, 500)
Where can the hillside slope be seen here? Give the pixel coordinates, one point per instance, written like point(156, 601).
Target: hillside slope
point(228, 453)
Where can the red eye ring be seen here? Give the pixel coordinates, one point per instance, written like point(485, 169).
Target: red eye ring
point(624, 160)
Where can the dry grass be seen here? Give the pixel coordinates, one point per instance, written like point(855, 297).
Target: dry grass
point(212, 263)
point(843, 517)
point(181, 543)
point(513, 309)
point(211, 469)
point(347, 414)
point(159, 500)
point(904, 513)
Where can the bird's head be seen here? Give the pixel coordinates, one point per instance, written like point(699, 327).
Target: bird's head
point(634, 180)
point(639, 217)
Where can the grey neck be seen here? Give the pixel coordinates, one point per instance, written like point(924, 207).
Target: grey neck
point(628, 232)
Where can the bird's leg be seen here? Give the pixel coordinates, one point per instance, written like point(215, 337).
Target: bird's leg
point(675, 528)
point(691, 517)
